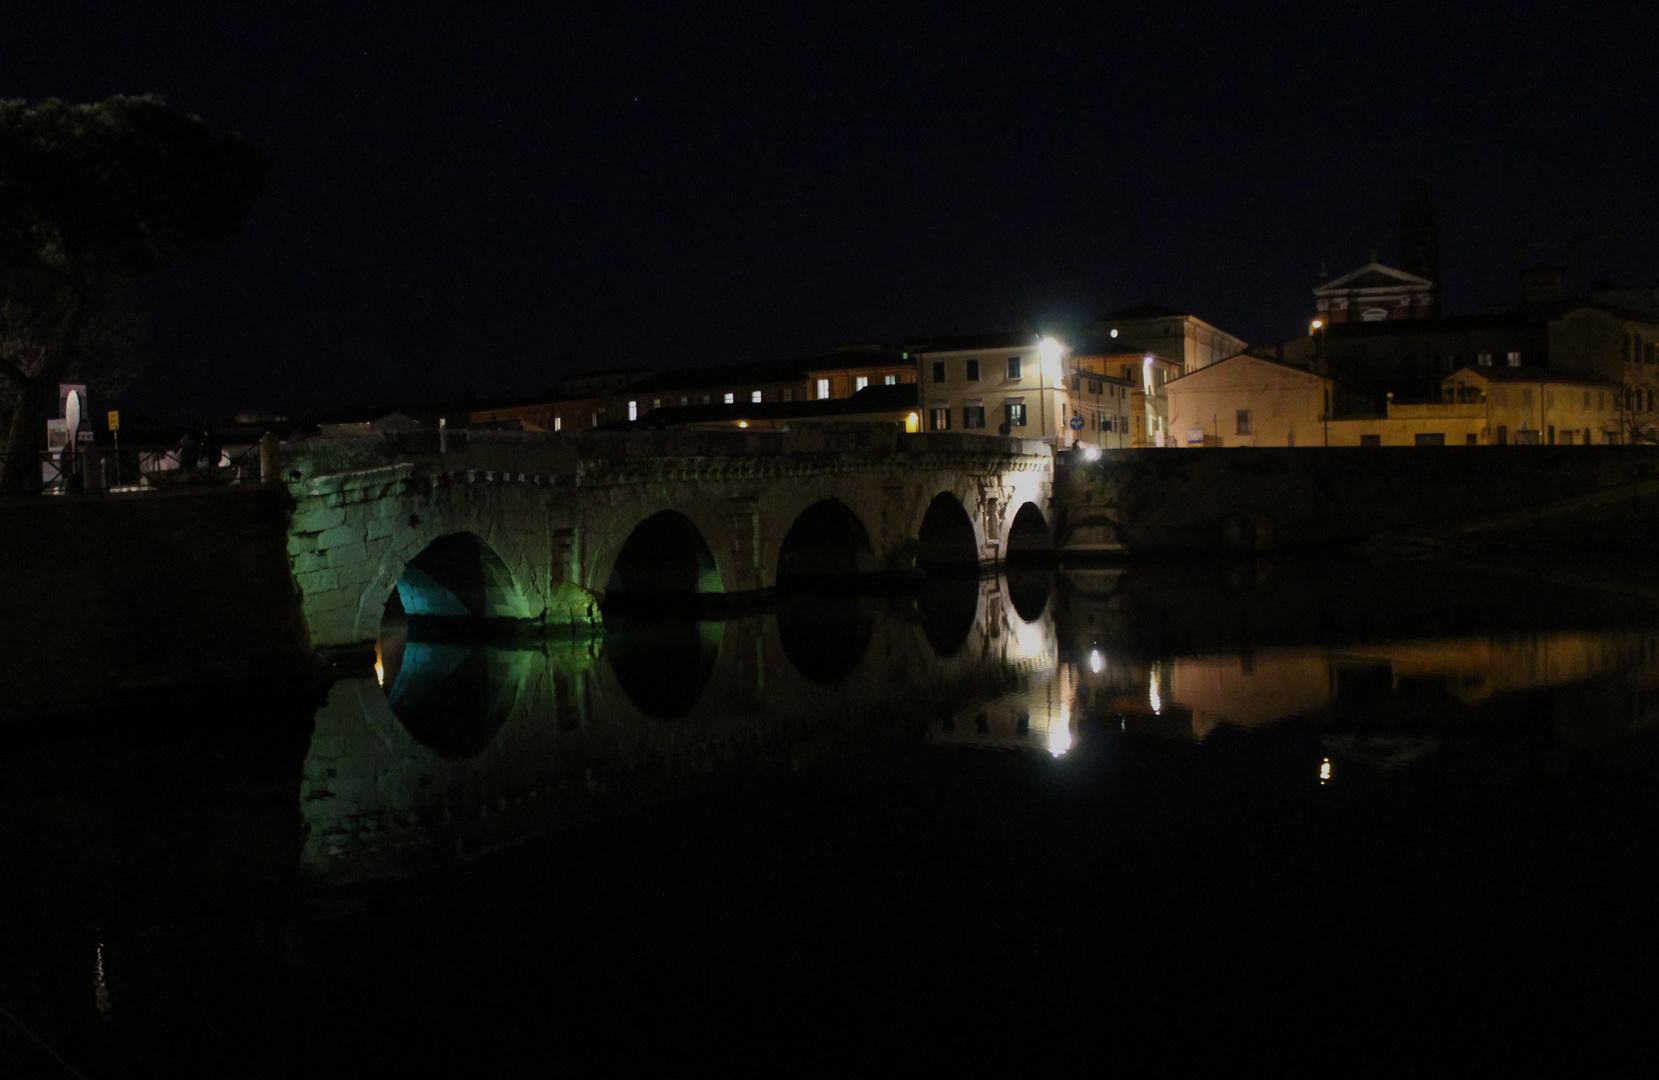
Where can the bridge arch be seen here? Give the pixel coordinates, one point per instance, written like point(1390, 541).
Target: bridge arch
point(664, 557)
point(947, 539)
point(826, 540)
point(458, 575)
point(1028, 535)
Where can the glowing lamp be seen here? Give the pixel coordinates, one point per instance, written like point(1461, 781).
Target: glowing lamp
point(912, 423)
point(1052, 353)
point(1092, 453)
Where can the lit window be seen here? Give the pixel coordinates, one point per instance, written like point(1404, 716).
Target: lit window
point(860, 383)
point(558, 423)
point(1014, 369)
point(633, 410)
point(823, 389)
point(684, 400)
point(1484, 359)
point(941, 419)
point(890, 380)
point(656, 403)
point(1016, 410)
point(756, 397)
point(938, 371)
point(1514, 359)
point(1244, 421)
point(972, 370)
point(730, 399)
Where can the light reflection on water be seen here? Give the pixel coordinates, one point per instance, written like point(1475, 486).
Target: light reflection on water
point(458, 748)
point(453, 748)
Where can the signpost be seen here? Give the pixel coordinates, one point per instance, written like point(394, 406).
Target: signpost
point(1077, 423)
point(115, 429)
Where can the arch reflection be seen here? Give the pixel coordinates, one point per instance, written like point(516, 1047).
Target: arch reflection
point(452, 698)
point(1028, 591)
point(826, 636)
point(949, 607)
point(663, 664)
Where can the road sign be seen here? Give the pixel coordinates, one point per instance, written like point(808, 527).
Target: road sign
point(114, 420)
point(1077, 423)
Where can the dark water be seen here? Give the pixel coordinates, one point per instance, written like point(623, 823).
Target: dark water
point(1270, 815)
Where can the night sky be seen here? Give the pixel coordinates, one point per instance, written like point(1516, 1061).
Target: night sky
point(485, 197)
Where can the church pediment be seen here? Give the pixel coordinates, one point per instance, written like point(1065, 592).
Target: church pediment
point(1374, 275)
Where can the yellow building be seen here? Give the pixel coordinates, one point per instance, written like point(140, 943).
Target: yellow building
point(1532, 406)
point(989, 384)
point(1249, 401)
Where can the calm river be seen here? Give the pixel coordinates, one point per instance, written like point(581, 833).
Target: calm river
point(1262, 813)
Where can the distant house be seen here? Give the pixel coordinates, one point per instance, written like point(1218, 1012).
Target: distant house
point(1164, 331)
point(999, 383)
point(1250, 401)
point(372, 422)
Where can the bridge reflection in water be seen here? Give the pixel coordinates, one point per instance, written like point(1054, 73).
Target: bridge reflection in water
point(461, 748)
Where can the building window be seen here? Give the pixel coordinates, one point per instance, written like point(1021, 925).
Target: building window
point(890, 380)
point(938, 371)
point(1648, 352)
point(973, 416)
point(823, 389)
point(633, 410)
point(789, 393)
point(972, 374)
point(729, 399)
point(941, 419)
point(558, 423)
point(1514, 359)
point(1484, 359)
point(1013, 369)
point(656, 403)
point(1370, 440)
point(756, 397)
point(1244, 421)
point(684, 400)
point(1435, 439)
point(1016, 409)
point(860, 382)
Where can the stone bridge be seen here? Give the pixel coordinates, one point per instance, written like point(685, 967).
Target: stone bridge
point(547, 528)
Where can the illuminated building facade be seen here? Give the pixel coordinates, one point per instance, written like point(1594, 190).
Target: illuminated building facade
point(1005, 383)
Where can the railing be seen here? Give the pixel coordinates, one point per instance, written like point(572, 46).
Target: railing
point(101, 468)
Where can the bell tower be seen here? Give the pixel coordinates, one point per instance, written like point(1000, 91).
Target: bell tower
point(1419, 235)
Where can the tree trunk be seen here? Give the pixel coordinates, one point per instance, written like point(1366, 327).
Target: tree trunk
point(21, 473)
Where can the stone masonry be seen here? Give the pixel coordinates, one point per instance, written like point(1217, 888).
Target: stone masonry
point(557, 509)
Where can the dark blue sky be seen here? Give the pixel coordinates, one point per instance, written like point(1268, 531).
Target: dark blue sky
point(487, 196)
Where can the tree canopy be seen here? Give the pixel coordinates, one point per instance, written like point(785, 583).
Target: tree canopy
point(93, 193)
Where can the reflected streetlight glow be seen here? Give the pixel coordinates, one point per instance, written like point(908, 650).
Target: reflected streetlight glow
point(1152, 696)
point(379, 666)
point(1059, 739)
point(1096, 662)
point(1325, 771)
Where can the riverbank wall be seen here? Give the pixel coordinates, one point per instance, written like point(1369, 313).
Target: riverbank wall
point(105, 595)
point(1143, 502)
